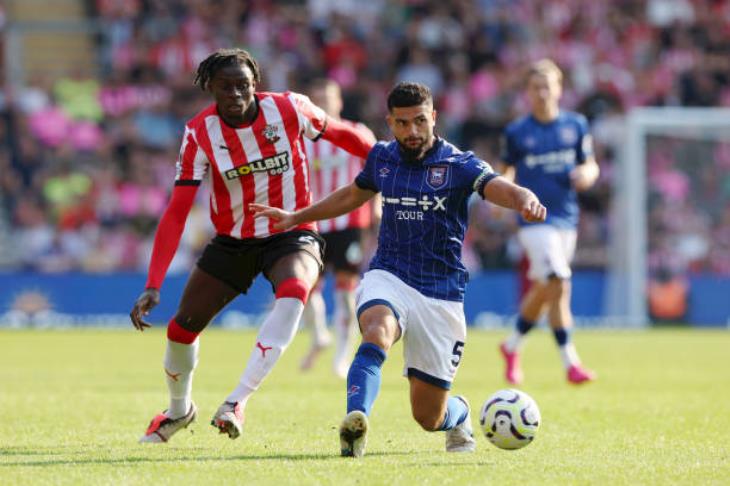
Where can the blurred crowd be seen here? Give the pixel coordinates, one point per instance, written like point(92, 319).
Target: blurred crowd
point(87, 163)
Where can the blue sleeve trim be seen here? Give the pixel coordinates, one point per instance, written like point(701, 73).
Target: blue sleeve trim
point(362, 182)
point(446, 385)
point(374, 302)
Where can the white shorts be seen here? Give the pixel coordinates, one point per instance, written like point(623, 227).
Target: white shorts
point(549, 249)
point(433, 330)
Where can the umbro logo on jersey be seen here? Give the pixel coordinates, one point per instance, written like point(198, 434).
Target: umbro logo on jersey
point(276, 164)
point(384, 172)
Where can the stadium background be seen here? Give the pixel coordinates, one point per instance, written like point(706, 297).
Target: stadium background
point(97, 92)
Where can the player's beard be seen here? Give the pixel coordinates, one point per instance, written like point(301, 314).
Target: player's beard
point(413, 153)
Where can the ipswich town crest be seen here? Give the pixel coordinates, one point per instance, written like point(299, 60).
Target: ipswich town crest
point(271, 133)
point(437, 176)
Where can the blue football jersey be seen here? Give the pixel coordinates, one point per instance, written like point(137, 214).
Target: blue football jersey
point(543, 155)
point(424, 214)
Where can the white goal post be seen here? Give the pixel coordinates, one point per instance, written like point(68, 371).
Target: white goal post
point(628, 245)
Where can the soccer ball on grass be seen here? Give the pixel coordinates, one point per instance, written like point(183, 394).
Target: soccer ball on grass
point(510, 419)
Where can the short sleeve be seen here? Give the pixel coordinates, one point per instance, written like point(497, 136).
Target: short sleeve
point(192, 163)
point(312, 118)
point(478, 173)
point(584, 150)
point(366, 178)
point(508, 152)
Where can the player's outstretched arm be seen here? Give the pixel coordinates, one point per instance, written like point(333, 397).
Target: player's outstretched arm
point(507, 194)
point(340, 202)
point(356, 141)
point(167, 239)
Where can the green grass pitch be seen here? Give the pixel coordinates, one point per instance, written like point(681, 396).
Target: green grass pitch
point(73, 403)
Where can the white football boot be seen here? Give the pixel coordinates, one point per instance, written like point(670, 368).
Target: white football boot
point(461, 437)
point(229, 419)
point(353, 434)
point(162, 427)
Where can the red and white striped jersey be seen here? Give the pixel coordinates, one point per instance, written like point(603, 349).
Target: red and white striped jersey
point(263, 162)
point(333, 167)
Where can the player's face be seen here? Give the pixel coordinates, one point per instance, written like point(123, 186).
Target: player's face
point(233, 88)
point(329, 98)
point(412, 127)
point(543, 91)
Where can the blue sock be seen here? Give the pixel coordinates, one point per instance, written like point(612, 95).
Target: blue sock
point(456, 412)
point(363, 379)
point(523, 325)
point(562, 336)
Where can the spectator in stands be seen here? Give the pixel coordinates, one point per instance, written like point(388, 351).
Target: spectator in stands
point(616, 55)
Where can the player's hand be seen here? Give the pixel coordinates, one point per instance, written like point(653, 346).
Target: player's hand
point(582, 178)
point(531, 209)
point(283, 220)
point(145, 302)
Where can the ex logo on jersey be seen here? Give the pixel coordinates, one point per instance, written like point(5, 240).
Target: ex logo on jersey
point(437, 176)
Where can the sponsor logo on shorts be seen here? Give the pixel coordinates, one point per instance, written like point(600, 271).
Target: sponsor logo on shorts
point(276, 164)
point(354, 390)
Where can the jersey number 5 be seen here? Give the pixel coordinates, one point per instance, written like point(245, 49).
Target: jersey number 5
point(458, 349)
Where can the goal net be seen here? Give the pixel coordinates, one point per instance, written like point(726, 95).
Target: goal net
point(671, 204)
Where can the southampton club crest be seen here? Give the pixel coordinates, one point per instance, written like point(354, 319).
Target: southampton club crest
point(271, 133)
point(437, 176)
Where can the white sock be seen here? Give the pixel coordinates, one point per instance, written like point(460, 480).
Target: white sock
point(315, 316)
point(569, 355)
point(345, 323)
point(180, 362)
point(275, 334)
point(514, 341)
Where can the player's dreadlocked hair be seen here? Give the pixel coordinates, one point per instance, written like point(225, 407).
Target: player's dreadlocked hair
point(222, 58)
point(409, 94)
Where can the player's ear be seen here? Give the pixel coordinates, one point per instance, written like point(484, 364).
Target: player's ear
point(433, 115)
point(389, 119)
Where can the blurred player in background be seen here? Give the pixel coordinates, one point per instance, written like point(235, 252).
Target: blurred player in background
point(331, 168)
point(250, 145)
point(550, 152)
point(414, 288)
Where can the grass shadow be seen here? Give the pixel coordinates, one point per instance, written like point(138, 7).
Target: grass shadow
point(142, 460)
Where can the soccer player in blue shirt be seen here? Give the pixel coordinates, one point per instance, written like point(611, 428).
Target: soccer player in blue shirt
point(550, 152)
point(414, 288)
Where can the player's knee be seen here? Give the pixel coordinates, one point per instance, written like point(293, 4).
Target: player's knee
point(377, 333)
point(346, 281)
point(556, 288)
point(429, 420)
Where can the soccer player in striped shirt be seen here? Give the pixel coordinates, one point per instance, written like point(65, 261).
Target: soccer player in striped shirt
point(332, 168)
point(414, 288)
point(249, 145)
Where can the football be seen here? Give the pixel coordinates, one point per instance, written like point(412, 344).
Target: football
point(510, 419)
